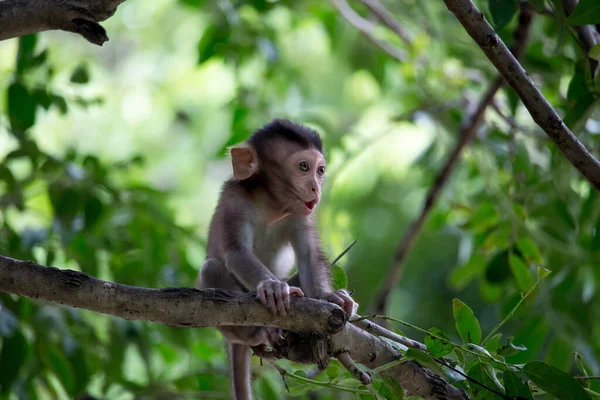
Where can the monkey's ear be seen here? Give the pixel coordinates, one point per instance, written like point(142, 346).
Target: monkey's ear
point(244, 160)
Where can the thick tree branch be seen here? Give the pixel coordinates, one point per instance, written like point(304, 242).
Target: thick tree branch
point(23, 17)
point(325, 332)
point(541, 111)
point(170, 306)
point(469, 128)
point(367, 28)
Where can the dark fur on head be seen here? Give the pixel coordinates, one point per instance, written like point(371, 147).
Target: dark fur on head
point(284, 129)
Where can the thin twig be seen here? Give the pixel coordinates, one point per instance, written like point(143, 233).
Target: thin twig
point(378, 330)
point(282, 373)
point(386, 17)
point(588, 378)
point(367, 28)
point(343, 253)
point(468, 131)
point(475, 381)
point(538, 106)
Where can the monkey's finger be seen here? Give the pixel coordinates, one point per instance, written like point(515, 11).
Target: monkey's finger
point(336, 299)
point(262, 296)
point(348, 302)
point(271, 302)
point(279, 295)
point(285, 291)
point(296, 291)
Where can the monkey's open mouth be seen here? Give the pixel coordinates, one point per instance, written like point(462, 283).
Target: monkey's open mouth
point(311, 204)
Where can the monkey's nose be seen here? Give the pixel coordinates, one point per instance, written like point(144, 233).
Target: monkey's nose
point(313, 188)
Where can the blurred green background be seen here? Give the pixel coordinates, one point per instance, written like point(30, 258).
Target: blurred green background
point(111, 160)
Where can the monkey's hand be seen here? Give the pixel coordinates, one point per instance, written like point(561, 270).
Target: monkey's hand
point(275, 295)
point(342, 299)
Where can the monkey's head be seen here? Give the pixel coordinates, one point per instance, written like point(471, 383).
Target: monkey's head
point(286, 161)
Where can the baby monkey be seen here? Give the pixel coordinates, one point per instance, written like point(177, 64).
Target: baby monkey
point(262, 224)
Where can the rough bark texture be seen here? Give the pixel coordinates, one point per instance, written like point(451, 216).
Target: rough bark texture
point(542, 112)
point(318, 329)
point(169, 306)
point(22, 17)
point(373, 352)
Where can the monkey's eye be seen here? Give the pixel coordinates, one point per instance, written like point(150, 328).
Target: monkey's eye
point(303, 166)
point(321, 170)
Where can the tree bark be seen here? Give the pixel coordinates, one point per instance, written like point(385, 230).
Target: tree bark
point(23, 17)
point(541, 111)
point(187, 307)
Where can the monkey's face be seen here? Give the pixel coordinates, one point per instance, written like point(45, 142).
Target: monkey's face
point(305, 170)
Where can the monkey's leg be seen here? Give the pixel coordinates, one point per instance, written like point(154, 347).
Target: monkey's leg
point(214, 275)
point(240, 371)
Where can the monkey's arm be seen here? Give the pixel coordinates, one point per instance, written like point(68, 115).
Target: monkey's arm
point(313, 268)
point(248, 269)
point(242, 263)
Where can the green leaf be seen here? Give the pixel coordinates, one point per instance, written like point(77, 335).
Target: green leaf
point(484, 373)
point(14, 352)
point(493, 344)
point(513, 102)
point(587, 12)
point(424, 359)
point(462, 276)
point(213, 39)
point(301, 373)
point(529, 250)
point(579, 110)
point(339, 278)
point(554, 381)
point(543, 272)
point(503, 11)
point(515, 388)
point(92, 211)
point(559, 353)
point(596, 238)
point(595, 52)
point(193, 3)
point(80, 74)
point(332, 371)
point(498, 269)
point(21, 108)
point(438, 348)
point(538, 5)
point(484, 218)
point(60, 103)
point(560, 19)
point(65, 200)
point(521, 273)
point(510, 348)
point(57, 362)
point(533, 335)
point(466, 324)
point(395, 388)
point(25, 55)
point(266, 389)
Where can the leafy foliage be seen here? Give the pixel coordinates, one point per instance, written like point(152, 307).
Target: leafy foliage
point(111, 161)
